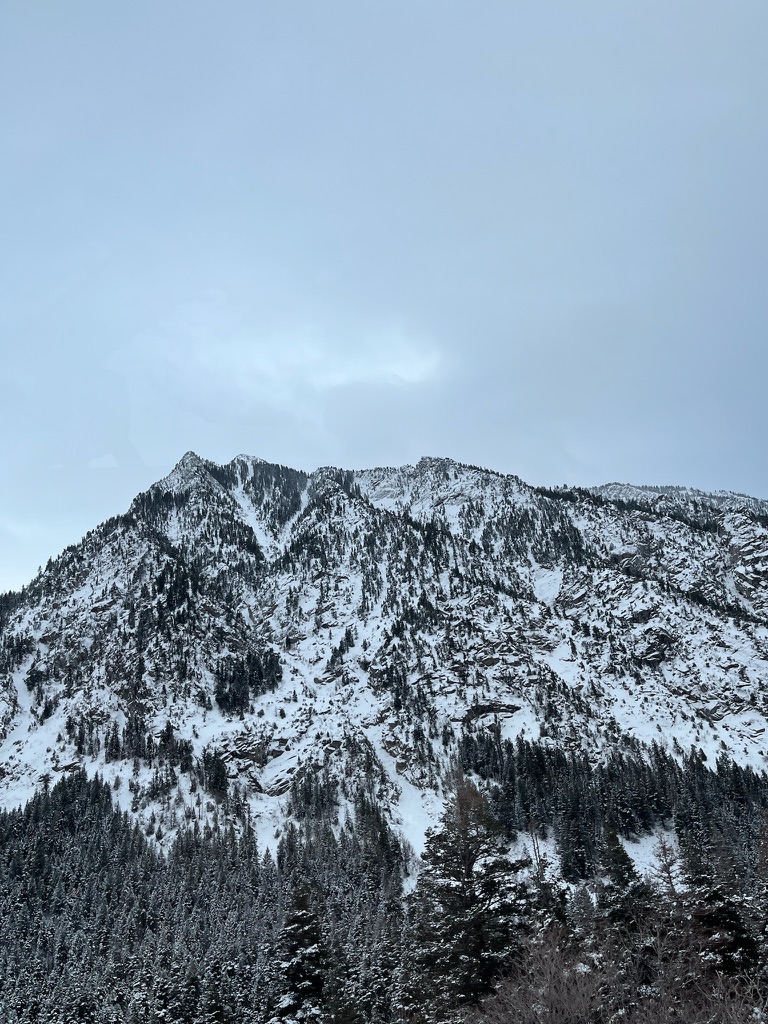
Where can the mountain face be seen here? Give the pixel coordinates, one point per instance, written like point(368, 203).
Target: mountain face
point(255, 627)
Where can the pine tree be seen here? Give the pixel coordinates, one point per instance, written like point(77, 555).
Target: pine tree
point(466, 905)
point(302, 963)
point(623, 897)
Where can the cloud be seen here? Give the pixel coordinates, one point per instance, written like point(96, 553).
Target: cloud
point(213, 360)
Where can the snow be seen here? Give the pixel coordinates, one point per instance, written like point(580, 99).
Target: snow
point(496, 657)
point(644, 852)
point(547, 584)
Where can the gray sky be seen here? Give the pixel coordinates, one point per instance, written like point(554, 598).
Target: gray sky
point(531, 236)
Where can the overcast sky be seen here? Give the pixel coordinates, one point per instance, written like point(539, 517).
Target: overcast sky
point(531, 236)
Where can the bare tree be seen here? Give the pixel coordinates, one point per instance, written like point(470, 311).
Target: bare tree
point(667, 873)
point(551, 984)
point(555, 984)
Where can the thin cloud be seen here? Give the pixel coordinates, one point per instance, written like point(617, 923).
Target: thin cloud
point(206, 354)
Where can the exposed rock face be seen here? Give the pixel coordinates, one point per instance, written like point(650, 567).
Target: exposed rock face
point(338, 620)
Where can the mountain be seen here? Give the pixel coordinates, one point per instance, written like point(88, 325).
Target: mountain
point(249, 628)
point(386, 745)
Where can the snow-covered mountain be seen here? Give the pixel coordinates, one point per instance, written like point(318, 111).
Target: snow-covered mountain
point(275, 625)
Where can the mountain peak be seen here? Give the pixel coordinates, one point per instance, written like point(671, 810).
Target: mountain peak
point(249, 460)
point(188, 470)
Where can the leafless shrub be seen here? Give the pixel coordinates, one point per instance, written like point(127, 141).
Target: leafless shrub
point(556, 984)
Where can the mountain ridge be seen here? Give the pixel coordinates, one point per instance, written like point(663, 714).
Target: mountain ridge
point(346, 622)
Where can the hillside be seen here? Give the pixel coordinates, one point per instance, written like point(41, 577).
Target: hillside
point(380, 746)
point(278, 623)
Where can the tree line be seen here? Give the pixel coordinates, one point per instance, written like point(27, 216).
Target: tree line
point(336, 924)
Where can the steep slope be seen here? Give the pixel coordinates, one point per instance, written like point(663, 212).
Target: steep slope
point(250, 625)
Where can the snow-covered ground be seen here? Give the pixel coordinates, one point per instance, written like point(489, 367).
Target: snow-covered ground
point(571, 621)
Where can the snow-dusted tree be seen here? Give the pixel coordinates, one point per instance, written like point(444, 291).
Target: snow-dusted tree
point(301, 964)
point(467, 903)
point(623, 896)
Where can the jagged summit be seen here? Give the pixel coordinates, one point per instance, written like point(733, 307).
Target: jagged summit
point(356, 621)
point(680, 496)
point(190, 469)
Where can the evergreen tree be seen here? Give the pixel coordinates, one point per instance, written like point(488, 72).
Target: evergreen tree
point(301, 963)
point(466, 905)
point(623, 897)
